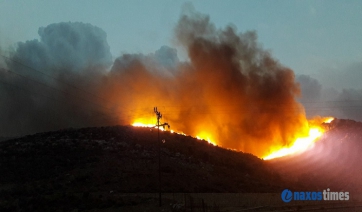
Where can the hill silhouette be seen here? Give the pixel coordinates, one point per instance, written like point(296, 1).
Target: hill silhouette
point(108, 167)
point(87, 167)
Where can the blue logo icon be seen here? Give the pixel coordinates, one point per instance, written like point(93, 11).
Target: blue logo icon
point(287, 195)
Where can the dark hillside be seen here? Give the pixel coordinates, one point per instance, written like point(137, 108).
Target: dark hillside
point(78, 166)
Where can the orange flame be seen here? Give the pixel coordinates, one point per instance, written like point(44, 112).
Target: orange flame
point(302, 143)
point(328, 120)
point(201, 136)
point(299, 145)
point(207, 137)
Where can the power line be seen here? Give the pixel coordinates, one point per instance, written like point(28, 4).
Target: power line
point(159, 116)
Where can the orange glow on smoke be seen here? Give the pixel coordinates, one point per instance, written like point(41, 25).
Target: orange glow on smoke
point(229, 92)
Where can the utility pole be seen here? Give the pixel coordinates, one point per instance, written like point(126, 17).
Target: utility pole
point(159, 116)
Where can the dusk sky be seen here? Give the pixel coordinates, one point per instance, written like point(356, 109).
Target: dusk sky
point(319, 40)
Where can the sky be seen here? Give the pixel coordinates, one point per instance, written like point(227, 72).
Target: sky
point(319, 40)
point(310, 37)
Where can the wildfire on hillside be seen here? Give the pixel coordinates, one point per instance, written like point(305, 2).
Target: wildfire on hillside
point(300, 144)
point(231, 92)
point(228, 90)
point(303, 142)
point(201, 136)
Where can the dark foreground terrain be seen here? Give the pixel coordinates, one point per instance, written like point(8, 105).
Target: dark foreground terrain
point(93, 167)
point(116, 169)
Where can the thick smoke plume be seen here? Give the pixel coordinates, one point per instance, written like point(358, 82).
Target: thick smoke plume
point(36, 93)
point(230, 90)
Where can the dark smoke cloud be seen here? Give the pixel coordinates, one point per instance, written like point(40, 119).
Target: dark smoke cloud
point(231, 90)
point(66, 46)
point(68, 53)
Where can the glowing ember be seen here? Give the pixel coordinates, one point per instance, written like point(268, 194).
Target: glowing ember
point(145, 122)
point(201, 136)
point(328, 120)
point(137, 124)
point(206, 137)
point(299, 145)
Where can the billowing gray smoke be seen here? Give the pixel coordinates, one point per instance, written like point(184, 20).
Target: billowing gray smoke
point(68, 55)
point(231, 90)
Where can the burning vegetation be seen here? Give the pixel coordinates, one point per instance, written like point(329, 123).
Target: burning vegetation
point(316, 130)
point(230, 91)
